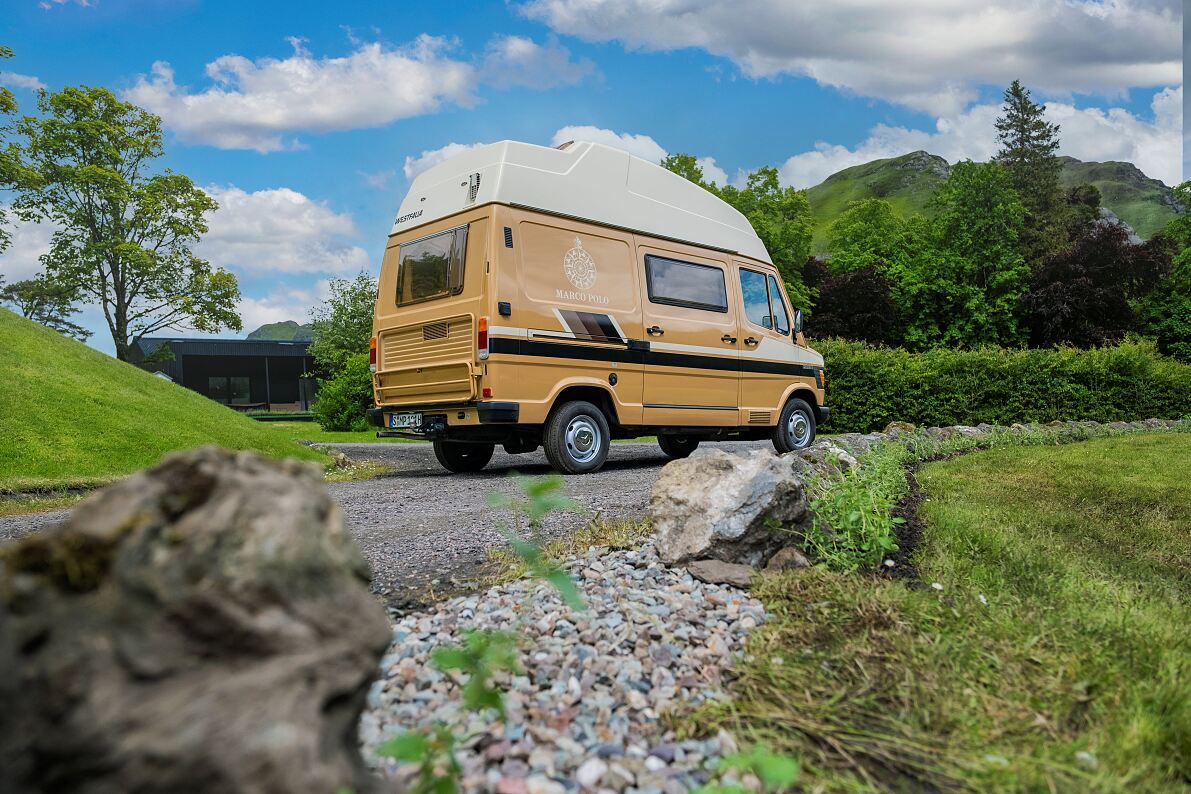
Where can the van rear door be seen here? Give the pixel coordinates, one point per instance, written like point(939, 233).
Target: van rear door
point(692, 372)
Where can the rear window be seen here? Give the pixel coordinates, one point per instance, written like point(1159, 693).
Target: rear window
point(432, 267)
point(686, 284)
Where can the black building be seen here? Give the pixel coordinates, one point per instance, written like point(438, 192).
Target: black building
point(245, 374)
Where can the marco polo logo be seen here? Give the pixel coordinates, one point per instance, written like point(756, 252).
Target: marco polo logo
point(579, 267)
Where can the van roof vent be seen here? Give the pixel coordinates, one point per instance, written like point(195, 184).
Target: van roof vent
point(473, 187)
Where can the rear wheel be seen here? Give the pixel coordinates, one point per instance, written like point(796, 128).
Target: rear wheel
point(460, 457)
point(796, 427)
point(576, 438)
point(678, 446)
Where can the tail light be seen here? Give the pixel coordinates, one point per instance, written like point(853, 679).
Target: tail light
point(372, 354)
point(482, 337)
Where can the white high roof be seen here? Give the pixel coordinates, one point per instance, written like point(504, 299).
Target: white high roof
point(583, 180)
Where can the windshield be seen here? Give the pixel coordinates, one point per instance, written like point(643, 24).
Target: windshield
point(432, 267)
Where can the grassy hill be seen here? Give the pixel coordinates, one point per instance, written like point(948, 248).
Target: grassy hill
point(285, 331)
point(1145, 204)
point(71, 416)
point(909, 181)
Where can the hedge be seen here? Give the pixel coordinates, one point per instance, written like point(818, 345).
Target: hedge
point(868, 387)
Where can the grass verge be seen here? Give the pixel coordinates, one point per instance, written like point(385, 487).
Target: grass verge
point(1046, 649)
point(611, 534)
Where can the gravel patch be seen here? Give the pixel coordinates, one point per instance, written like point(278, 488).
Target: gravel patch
point(588, 707)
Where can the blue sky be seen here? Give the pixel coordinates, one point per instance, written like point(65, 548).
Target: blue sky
point(305, 119)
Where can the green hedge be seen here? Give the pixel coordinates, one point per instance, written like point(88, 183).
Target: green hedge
point(868, 387)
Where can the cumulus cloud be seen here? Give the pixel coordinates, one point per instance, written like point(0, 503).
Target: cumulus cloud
point(711, 171)
point(519, 61)
point(26, 81)
point(1086, 134)
point(252, 104)
point(641, 146)
point(279, 230)
point(432, 157)
point(927, 54)
point(378, 180)
point(29, 241)
point(284, 303)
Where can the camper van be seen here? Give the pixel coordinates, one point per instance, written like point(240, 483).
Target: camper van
point(565, 297)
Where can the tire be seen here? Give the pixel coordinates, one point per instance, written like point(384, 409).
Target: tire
point(678, 446)
point(796, 426)
point(460, 457)
point(576, 438)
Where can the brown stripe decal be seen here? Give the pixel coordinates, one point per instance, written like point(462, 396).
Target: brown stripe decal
point(590, 326)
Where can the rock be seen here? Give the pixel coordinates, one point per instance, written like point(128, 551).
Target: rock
point(720, 572)
point(342, 461)
point(590, 772)
point(716, 505)
point(787, 558)
point(894, 428)
point(204, 625)
point(825, 457)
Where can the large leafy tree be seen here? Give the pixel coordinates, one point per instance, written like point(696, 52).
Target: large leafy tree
point(869, 232)
point(1165, 314)
point(1083, 295)
point(8, 106)
point(46, 302)
point(1029, 144)
point(124, 232)
point(342, 325)
point(781, 216)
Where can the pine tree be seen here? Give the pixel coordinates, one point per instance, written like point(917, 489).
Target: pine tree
point(1028, 146)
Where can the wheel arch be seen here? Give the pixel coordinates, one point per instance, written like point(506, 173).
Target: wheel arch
point(592, 392)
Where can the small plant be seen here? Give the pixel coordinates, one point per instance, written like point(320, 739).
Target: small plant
point(776, 772)
point(434, 753)
point(540, 497)
point(481, 654)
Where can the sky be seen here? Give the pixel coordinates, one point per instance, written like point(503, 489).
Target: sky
point(307, 120)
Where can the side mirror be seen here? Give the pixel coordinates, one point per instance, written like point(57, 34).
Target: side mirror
point(798, 321)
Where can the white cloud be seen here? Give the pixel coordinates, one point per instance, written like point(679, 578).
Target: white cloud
point(377, 180)
point(711, 171)
point(927, 54)
point(252, 104)
point(279, 230)
point(519, 61)
point(29, 241)
point(26, 81)
point(1086, 134)
point(432, 157)
point(285, 303)
point(641, 146)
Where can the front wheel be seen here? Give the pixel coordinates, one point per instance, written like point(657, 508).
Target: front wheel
point(678, 446)
point(576, 438)
point(796, 427)
point(460, 457)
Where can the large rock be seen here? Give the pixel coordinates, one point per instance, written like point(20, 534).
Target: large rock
point(204, 625)
point(716, 505)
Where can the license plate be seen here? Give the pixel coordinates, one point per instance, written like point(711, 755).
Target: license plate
point(406, 421)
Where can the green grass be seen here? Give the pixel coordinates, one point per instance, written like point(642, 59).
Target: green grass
point(72, 417)
point(1055, 657)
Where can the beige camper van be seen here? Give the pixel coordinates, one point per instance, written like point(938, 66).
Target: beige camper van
point(561, 298)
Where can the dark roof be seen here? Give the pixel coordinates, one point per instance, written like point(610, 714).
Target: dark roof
point(222, 347)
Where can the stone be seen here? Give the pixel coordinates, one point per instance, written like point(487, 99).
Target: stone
point(591, 772)
point(720, 572)
point(716, 505)
point(895, 428)
point(787, 558)
point(203, 625)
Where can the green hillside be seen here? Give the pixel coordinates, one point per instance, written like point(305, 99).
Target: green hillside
point(285, 331)
point(1145, 204)
point(906, 182)
point(71, 416)
point(909, 181)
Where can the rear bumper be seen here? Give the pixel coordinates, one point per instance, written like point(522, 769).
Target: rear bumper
point(436, 419)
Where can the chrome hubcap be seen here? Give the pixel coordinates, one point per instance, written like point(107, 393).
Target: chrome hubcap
point(799, 429)
point(583, 439)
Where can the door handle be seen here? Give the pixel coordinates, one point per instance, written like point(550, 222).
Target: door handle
point(654, 331)
point(731, 340)
point(750, 341)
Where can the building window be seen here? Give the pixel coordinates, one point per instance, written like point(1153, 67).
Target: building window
point(229, 391)
point(676, 283)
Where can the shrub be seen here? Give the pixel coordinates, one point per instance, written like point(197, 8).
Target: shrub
point(343, 399)
point(868, 387)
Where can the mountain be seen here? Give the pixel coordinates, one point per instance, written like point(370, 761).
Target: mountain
point(286, 331)
point(118, 418)
point(908, 183)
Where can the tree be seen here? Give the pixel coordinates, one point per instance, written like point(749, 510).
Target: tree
point(1082, 296)
point(124, 234)
point(870, 232)
point(1165, 314)
point(781, 217)
point(1083, 209)
point(45, 302)
point(1028, 151)
point(8, 106)
point(856, 305)
point(342, 325)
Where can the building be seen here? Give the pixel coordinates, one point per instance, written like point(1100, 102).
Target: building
point(244, 374)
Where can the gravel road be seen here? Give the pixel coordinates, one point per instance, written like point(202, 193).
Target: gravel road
point(426, 532)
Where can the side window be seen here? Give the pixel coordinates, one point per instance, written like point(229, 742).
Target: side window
point(756, 298)
point(686, 284)
point(779, 307)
